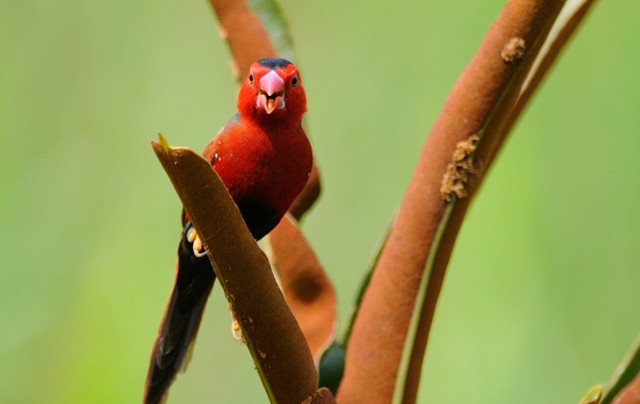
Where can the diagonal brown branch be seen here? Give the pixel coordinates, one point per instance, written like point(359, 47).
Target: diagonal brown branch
point(277, 345)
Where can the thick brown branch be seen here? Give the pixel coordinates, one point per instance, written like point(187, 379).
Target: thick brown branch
point(479, 105)
point(272, 334)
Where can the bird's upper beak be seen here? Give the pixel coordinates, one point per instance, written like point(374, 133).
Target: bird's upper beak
point(271, 92)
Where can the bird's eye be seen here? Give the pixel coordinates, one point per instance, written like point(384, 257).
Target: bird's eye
point(250, 78)
point(294, 81)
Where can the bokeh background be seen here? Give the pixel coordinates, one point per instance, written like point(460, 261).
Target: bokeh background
point(541, 299)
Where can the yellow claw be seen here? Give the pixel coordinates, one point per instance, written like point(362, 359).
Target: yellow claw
point(191, 235)
point(236, 331)
point(198, 247)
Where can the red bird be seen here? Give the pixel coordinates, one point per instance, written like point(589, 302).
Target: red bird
point(264, 159)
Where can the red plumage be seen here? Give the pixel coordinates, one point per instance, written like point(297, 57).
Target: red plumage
point(264, 159)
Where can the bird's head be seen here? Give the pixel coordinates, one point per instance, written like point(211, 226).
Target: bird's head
point(272, 91)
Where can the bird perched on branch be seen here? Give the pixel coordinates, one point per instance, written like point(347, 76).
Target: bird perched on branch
point(264, 159)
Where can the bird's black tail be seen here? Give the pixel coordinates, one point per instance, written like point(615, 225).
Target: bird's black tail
point(172, 349)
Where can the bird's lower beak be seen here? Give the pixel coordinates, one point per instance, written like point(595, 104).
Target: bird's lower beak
point(271, 93)
point(271, 102)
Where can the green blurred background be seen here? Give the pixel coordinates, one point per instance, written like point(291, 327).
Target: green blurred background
point(541, 299)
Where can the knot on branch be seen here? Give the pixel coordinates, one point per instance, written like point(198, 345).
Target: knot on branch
point(460, 169)
point(514, 50)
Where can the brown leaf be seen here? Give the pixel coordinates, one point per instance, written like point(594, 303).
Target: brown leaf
point(306, 287)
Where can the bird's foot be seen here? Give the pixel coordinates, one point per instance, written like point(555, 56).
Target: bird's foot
point(198, 247)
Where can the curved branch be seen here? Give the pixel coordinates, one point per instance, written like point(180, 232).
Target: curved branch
point(420, 244)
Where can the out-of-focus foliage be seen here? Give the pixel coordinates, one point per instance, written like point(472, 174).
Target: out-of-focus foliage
point(541, 296)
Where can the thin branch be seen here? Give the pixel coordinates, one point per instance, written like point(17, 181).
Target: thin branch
point(245, 34)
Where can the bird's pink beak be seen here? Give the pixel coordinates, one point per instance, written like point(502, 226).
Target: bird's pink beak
point(271, 93)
